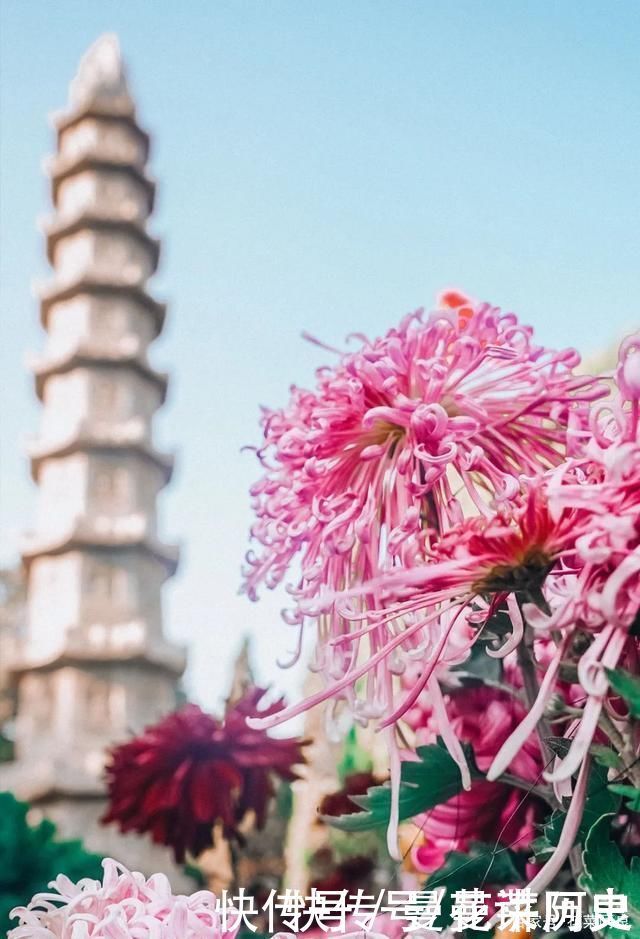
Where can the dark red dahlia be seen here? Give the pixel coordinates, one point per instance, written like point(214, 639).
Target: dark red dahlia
point(190, 771)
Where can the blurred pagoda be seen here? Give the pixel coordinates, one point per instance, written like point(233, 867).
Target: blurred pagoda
point(94, 664)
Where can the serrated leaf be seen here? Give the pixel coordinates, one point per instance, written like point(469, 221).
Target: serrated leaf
point(558, 745)
point(431, 780)
point(606, 756)
point(601, 800)
point(484, 864)
point(604, 867)
point(628, 687)
point(541, 847)
point(630, 793)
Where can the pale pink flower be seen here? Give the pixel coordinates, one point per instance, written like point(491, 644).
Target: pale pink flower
point(382, 926)
point(126, 905)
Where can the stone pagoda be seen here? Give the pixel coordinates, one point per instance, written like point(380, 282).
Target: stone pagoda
point(95, 664)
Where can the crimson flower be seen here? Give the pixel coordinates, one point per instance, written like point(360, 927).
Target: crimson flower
point(190, 771)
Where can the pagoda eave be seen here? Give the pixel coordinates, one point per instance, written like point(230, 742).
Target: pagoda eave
point(82, 357)
point(61, 169)
point(156, 656)
point(122, 114)
point(63, 228)
point(83, 442)
point(95, 540)
point(56, 293)
point(36, 780)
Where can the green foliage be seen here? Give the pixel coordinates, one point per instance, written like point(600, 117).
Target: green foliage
point(606, 756)
point(601, 800)
point(31, 857)
point(484, 864)
point(430, 781)
point(630, 793)
point(6, 748)
point(355, 759)
point(284, 801)
point(604, 867)
point(628, 687)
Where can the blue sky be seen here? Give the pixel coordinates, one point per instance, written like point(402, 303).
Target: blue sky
point(324, 166)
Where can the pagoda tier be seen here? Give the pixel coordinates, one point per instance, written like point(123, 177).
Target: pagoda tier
point(104, 441)
point(63, 228)
point(85, 354)
point(102, 532)
point(56, 298)
point(95, 662)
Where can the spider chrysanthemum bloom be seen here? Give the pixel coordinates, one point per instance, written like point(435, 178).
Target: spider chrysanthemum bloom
point(423, 613)
point(433, 614)
point(126, 905)
point(191, 771)
point(367, 470)
point(602, 600)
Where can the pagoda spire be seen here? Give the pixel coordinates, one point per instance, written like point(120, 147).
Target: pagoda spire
point(95, 663)
point(102, 77)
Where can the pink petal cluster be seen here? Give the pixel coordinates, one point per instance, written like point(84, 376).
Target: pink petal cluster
point(600, 593)
point(383, 926)
point(571, 548)
point(125, 905)
point(363, 475)
point(489, 811)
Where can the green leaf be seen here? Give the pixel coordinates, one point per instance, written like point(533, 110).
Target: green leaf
point(558, 745)
point(606, 756)
point(432, 780)
point(31, 856)
point(604, 867)
point(630, 793)
point(628, 687)
point(355, 758)
point(601, 800)
point(484, 864)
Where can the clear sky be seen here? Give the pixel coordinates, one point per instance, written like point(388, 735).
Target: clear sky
point(324, 166)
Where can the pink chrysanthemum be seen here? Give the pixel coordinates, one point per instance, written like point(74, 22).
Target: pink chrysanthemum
point(357, 470)
point(602, 598)
point(363, 476)
point(424, 613)
point(126, 905)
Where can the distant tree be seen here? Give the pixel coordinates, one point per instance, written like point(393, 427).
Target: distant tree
point(12, 609)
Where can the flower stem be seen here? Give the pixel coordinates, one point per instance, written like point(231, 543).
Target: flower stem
point(623, 745)
point(541, 791)
point(531, 690)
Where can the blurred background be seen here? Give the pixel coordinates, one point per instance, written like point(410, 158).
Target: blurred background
point(319, 167)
